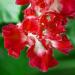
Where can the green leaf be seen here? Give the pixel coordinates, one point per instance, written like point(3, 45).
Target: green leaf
point(9, 11)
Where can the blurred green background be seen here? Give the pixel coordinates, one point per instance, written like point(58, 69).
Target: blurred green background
point(12, 13)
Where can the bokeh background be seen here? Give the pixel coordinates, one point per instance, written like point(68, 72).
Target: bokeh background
point(12, 13)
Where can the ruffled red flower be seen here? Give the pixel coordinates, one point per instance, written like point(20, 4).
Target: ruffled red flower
point(41, 55)
point(13, 40)
point(42, 29)
point(53, 25)
point(65, 7)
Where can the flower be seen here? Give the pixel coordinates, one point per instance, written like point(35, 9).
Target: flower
point(42, 30)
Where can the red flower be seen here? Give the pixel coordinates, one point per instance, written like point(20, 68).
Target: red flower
point(52, 25)
point(13, 40)
point(42, 29)
point(41, 55)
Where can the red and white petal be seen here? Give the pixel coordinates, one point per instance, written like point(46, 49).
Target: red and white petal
point(64, 45)
point(40, 55)
point(41, 6)
point(43, 62)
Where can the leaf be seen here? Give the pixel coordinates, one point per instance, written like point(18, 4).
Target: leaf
point(9, 11)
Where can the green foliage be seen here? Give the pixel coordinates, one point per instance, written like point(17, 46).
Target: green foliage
point(9, 11)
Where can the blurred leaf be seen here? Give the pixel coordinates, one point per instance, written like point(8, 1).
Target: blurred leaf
point(9, 11)
point(71, 30)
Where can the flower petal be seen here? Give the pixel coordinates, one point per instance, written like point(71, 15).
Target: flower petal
point(41, 56)
point(13, 39)
point(64, 45)
point(31, 24)
point(22, 2)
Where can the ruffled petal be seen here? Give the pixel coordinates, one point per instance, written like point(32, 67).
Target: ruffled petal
point(42, 62)
point(63, 45)
point(31, 25)
point(41, 55)
point(13, 40)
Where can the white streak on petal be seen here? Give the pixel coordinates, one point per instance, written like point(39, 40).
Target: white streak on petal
point(19, 24)
point(54, 43)
point(56, 6)
point(39, 48)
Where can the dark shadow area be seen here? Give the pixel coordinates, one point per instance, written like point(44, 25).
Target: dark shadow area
point(21, 15)
point(67, 71)
point(60, 56)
